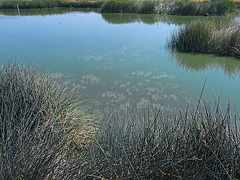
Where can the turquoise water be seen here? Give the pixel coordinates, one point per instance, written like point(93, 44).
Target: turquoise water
point(117, 58)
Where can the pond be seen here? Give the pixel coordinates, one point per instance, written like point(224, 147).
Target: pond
point(117, 58)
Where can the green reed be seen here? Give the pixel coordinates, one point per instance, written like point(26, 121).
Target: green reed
point(203, 37)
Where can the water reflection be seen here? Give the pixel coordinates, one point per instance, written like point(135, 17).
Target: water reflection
point(196, 62)
point(130, 18)
point(151, 18)
point(118, 18)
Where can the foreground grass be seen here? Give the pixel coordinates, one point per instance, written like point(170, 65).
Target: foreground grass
point(203, 37)
point(198, 143)
point(40, 126)
point(39, 122)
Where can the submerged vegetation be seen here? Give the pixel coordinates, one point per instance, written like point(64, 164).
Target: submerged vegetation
point(40, 123)
point(174, 7)
point(204, 37)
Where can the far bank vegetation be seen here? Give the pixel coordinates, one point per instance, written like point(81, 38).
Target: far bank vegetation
point(172, 7)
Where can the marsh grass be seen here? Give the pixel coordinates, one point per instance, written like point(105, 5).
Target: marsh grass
point(178, 7)
point(82, 4)
point(175, 7)
point(204, 8)
point(200, 142)
point(41, 4)
point(203, 37)
point(38, 123)
point(34, 4)
point(129, 6)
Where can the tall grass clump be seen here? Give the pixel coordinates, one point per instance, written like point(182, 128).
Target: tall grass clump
point(203, 37)
point(227, 41)
point(38, 123)
point(200, 142)
point(195, 37)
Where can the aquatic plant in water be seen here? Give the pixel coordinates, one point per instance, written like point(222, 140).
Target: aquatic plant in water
point(204, 37)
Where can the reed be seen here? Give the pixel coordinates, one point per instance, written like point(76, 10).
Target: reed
point(177, 7)
point(205, 8)
point(203, 37)
point(38, 123)
point(200, 142)
point(129, 6)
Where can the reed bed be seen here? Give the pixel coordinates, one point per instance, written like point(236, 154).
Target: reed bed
point(128, 6)
point(203, 37)
point(204, 8)
point(177, 7)
point(200, 142)
point(41, 4)
point(172, 7)
point(38, 123)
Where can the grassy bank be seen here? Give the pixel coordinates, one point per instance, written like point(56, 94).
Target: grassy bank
point(176, 7)
point(40, 4)
point(204, 37)
point(40, 123)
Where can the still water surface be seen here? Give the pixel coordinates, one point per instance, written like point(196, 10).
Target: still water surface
point(117, 58)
